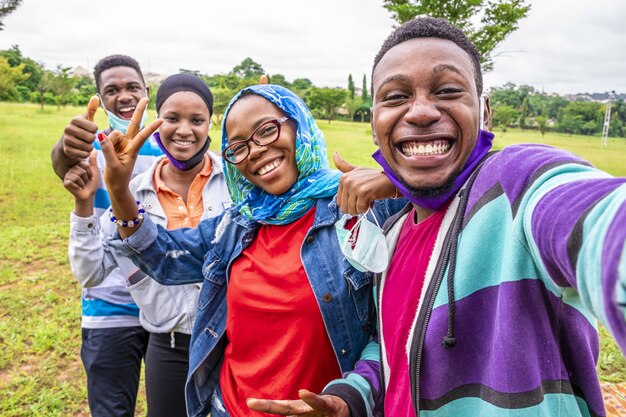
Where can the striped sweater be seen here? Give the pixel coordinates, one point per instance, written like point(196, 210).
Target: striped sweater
point(538, 255)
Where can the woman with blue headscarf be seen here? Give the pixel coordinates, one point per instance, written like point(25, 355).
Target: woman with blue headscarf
point(296, 314)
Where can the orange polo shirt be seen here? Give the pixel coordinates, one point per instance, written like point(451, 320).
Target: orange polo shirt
point(177, 212)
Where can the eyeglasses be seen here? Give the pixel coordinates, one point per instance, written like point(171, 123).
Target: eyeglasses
point(265, 134)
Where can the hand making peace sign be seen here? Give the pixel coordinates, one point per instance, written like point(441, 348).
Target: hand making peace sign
point(120, 150)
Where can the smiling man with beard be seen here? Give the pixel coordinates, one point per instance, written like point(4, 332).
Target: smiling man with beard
point(502, 263)
point(113, 341)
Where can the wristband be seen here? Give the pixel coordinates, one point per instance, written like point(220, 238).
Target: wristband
point(128, 223)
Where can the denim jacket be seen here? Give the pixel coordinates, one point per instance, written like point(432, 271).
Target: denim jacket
point(205, 254)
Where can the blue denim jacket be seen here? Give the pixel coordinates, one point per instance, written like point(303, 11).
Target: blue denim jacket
point(205, 254)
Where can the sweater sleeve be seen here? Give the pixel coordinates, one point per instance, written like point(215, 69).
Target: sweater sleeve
point(87, 257)
point(574, 220)
point(361, 387)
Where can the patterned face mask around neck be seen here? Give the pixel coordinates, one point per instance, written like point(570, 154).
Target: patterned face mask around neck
point(364, 244)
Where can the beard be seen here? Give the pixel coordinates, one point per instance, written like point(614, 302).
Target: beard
point(434, 190)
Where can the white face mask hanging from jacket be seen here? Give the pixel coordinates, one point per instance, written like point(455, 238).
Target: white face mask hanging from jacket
point(364, 245)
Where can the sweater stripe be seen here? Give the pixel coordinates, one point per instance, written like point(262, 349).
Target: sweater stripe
point(562, 404)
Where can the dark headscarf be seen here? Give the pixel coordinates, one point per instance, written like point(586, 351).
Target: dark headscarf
point(184, 82)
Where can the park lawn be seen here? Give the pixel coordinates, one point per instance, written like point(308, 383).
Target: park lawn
point(40, 369)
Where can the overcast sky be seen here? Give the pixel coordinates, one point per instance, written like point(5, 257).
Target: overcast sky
point(563, 46)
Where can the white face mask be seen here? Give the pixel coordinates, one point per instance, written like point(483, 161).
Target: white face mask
point(364, 245)
point(481, 109)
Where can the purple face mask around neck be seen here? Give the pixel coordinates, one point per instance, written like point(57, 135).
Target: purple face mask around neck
point(482, 147)
point(189, 163)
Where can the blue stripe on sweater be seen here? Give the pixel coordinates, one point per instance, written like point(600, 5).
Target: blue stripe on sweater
point(100, 308)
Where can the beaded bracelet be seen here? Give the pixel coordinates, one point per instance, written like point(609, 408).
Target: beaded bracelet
point(128, 223)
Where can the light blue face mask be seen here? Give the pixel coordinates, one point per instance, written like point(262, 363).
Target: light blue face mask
point(364, 245)
point(117, 123)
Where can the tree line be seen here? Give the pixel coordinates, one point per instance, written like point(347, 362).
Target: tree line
point(23, 79)
point(525, 107)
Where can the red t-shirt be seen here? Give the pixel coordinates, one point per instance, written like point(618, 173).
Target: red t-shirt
point(278, 342)
point(400, 298)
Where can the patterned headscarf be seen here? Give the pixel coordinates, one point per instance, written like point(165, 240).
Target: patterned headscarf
point(315, 179)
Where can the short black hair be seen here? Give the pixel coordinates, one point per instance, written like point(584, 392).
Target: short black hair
point(430, 27)
point(113, 61)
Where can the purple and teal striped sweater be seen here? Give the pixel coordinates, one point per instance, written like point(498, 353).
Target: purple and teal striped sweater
point(540, 256)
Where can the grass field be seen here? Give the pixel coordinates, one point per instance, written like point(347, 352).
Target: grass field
point(40, 369)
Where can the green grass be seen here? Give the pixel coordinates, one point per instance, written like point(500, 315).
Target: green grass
point(40, 369)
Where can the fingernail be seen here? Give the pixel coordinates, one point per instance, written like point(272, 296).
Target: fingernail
point(100, 137)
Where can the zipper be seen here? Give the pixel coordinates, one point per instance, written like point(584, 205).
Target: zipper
point(452, 237)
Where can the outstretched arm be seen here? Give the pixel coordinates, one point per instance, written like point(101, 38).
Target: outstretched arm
point(574, 223)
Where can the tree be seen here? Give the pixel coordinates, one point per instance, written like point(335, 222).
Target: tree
point(498, 18)
point(221, 98)
point(32, 68)
point(503, 116)
point(352, 104)
point(248, 68)
point(61, 85)
point(279, 79)
point(350, 86)
point(523, 113)
point(542, 124)
point(10, 77)
point(326, 100)
point(364, 94)
point(6, 8)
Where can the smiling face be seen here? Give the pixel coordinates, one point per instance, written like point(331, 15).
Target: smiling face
point(272, 167)
point(186, 122)
point(121, 88)
point(426, 111)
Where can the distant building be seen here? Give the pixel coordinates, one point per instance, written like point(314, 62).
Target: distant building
point(153, 77)
point(79, 71)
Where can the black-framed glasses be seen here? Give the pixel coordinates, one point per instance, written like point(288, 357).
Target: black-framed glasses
point(263, 135)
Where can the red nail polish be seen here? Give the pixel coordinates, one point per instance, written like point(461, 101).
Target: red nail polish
point(100, 137)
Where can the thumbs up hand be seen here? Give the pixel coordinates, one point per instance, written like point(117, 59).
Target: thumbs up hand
point(359, 187)
point(79, 134)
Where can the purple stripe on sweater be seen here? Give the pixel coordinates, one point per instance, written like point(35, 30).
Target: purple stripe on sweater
point(557, 225)
point(514, 168)
point(510, 338)
point(370, 370)
point(611, 252)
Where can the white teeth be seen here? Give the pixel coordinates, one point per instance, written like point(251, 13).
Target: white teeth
point(183, 142)
point(128, 109)
point(269, 167)
point(436, 147)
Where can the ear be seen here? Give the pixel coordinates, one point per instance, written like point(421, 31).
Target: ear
point(487, 113)
point(148, 91)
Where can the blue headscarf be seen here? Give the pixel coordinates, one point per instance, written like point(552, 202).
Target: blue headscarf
point(315, 178)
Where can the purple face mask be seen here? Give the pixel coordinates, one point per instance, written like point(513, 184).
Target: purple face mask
point(189, 163)
point(482, 147)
